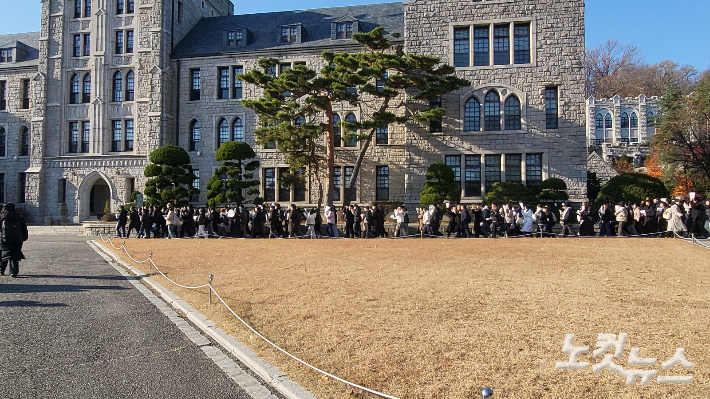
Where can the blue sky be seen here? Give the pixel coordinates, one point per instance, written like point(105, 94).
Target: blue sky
point(662, 29)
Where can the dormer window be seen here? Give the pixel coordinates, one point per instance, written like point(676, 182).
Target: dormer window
point(234, 38)
point(6, 55)
point(291, 34)
point(344, 28)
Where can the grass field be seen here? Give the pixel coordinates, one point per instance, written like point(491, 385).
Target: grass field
point(444, 318)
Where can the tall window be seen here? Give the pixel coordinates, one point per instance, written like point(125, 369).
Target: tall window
point(269, 184)
point(119, 42)
point(436, 125)
point(117, 87)
point(76, 48)
point(522, 43)
point(533, 172)
point(624, 120)
point(130, 86)
point(481, 44)
point(85, 136)
point(117, 136)
point(25, 94)
point(129, 41)
point(87, 8)
point(351, 140)
point(472, 115)
point(492, 111)
point(3, 99)
point(195, 84)
point(22, 190)
point(501, 45)
point(86, 91)
point(493, 170)
point(462, 52)
point(383, 183)
point(337, 130)
point(130, 6)
point(634, 124)
point(195, 185)
point(382, 136)
point(195, 136)
point(3, 142)
point(350, 193)
point(73, 137)
point(454, 162)
point(223, 132)
point(74, 89)
point(337, 183)
point(223, 91)
point(238, 130)
point(599, 121)
point(551, 108)
point(87, 45)
point(238, 84)
point(77, 9)
point(119, 6)
point(24, 142)
point(650, 119)
point(513, 168)
point(472, 187)
point(128, 146)
point(512, 113)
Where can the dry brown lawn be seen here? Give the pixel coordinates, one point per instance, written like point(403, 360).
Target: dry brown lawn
point(444, 318)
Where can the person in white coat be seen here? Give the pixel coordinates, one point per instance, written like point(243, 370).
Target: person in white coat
point(675, 221)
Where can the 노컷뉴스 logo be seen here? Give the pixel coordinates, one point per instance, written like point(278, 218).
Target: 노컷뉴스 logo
point(605, 342)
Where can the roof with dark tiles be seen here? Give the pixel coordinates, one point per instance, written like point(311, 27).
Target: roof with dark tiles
point(25, 41)
point(206, 38)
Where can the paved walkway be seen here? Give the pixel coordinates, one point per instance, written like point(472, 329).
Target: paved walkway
point(73, 327)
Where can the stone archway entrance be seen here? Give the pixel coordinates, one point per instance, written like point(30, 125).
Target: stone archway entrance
point(92, 195)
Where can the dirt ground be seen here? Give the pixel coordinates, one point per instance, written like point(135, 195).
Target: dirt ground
point(445, 318)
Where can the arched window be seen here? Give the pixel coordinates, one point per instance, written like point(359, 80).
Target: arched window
point(492, 111)
point(634, 120)
point(238, 130)
point(634, 133)
point(650, 119)
point(130, 86)
point(608, 123)
point(624, 120)
point(86, 90)
point(337, 130)
point(352, 140)
point(2, 141)
point(512, 113)
point(74, 89)
point(24, 142)
point(223, 132)
point(117, 87)
point(195, 136)
point(472, 115)
point(599, 122)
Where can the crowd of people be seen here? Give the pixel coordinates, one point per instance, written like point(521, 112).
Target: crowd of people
point(653, 217)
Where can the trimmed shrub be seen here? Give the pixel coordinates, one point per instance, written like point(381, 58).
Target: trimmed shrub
point(631, 188)
point(508, 192)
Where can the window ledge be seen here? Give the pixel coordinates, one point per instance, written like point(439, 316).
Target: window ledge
point(488, 132)
point(487, 67)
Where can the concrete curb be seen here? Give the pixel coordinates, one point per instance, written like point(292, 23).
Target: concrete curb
point(269, 373)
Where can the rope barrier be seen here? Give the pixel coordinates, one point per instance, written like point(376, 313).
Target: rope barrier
point(213, 291)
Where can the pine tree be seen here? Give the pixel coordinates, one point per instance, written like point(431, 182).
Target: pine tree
point(234, 176)
point(170, 177)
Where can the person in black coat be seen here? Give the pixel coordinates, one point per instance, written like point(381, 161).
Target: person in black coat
point(380, 221)
point(496, 219)
point(122, 217)
point(157, 219)
point(258, 223)
point(454, 219)
point(146, 223)
point(650, 217)
point(349, 222)
point(477, 219)
point(370, 221)
point(13, 233)
point(244, 221)
point(465, 216)
point(215, 220)
point(134, 222)
point(188, 222)
point(276, 225)
point(357, 220)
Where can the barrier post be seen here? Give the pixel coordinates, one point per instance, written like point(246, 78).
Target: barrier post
point(211, 276)
point(150, 262)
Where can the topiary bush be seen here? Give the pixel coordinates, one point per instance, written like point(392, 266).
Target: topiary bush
point(554, 189)
point(631, 188)
point(440, 185)
point(508, 192)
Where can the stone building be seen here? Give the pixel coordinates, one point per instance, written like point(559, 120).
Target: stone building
point(108, 81)
point(621, 126)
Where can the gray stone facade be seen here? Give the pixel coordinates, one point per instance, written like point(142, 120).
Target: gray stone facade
point(621, 126)
point(171, 39)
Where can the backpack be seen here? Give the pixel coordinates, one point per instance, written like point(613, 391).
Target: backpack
point(13, 233)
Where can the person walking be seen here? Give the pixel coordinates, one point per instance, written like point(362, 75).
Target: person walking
point(331, 220)
point(172, 221)
point(566, 220)
point(134, 222)
point(202, 224)
point(357, 225)
point(122, 217)
point(13, 233)
point(622, 216)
